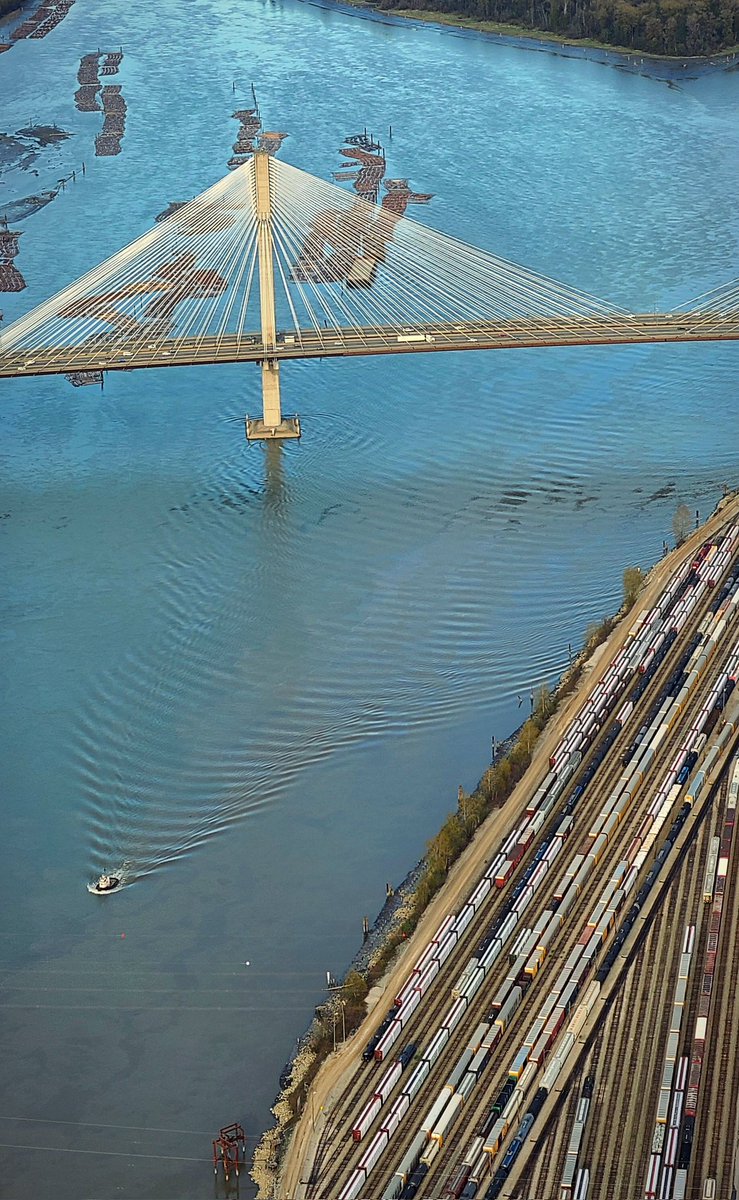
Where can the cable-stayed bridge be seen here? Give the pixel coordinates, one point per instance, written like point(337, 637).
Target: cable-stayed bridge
point(272, 264)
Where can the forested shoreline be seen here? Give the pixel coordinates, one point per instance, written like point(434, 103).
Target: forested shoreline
point(666, 27)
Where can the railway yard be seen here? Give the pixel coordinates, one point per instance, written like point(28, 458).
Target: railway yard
point(564, 1022)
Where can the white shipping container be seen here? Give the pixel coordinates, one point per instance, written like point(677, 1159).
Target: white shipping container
point(473, 984)
point(388, 1039)
point(353, 1186)
point(676, 1111)
point(410, 1004)
point(680, 1184)
point(455, 1014)
point(365, 1118)
point(491, 954)
point(374, 1150)
point(447, 1118)
point(467, 1084)
point(429, 1121)
point(446, 946)
point(507, 927)
point(389, 1080)
point(401, 1106)
point(552, 1072)
point(480, 893)
point(463, 919)
point(438, 1042)
point(415, 1080)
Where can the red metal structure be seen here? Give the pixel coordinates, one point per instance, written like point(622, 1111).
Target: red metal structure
point(229, 1149)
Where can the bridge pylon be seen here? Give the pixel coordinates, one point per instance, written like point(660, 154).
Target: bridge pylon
point(272, 424)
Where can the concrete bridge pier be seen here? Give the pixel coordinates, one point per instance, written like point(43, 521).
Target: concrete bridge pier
point(272, 423)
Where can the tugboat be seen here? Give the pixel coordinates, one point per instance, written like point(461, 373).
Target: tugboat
point(106, 883)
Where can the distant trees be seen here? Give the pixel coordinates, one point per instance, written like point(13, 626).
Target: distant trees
point(674, 27)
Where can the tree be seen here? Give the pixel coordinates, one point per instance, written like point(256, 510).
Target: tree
point(544, 704)
point(633, 580)
point(528, 735)
point(681, 523)
point(592, 634)
point(444, 848)
point(354, 989)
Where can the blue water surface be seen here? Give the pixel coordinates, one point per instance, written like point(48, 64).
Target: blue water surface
point(255, 676)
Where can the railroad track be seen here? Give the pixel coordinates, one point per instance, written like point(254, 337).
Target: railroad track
point(629, 1047)
point(640, 1059)
point(638, 1065)
point(343, 1111)
point(714, 1145)
point(438, 1173)
point(339, 1121)
point(523, 1015)
point(625, 1175)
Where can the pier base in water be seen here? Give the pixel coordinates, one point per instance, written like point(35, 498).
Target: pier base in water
point(258, 431)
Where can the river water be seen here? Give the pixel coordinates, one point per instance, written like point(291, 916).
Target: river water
point(258, 678)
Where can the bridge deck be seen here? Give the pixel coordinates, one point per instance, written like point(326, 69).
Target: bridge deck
point(125, 354)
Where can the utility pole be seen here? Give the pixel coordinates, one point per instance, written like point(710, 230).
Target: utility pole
point(272, 424)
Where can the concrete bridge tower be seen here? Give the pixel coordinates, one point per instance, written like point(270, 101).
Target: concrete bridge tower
point(272, 425)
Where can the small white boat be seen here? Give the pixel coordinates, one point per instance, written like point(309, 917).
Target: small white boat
point(105, 884)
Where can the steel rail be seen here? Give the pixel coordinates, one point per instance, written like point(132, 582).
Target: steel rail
point(442, 998)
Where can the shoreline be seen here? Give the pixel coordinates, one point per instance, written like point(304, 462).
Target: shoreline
point(306, 1070)
point(290, 1145)
point(637, 62)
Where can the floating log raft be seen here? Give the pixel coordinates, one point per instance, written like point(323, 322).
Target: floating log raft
point(112, 63)
point(85, 98)
point(87, 71)
point(251, 137)
point(371, 170)
point(349, 247)
point(11, 279)
point(46, 17)
point(271, 142)
point(399, 196)
point(108, 141)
